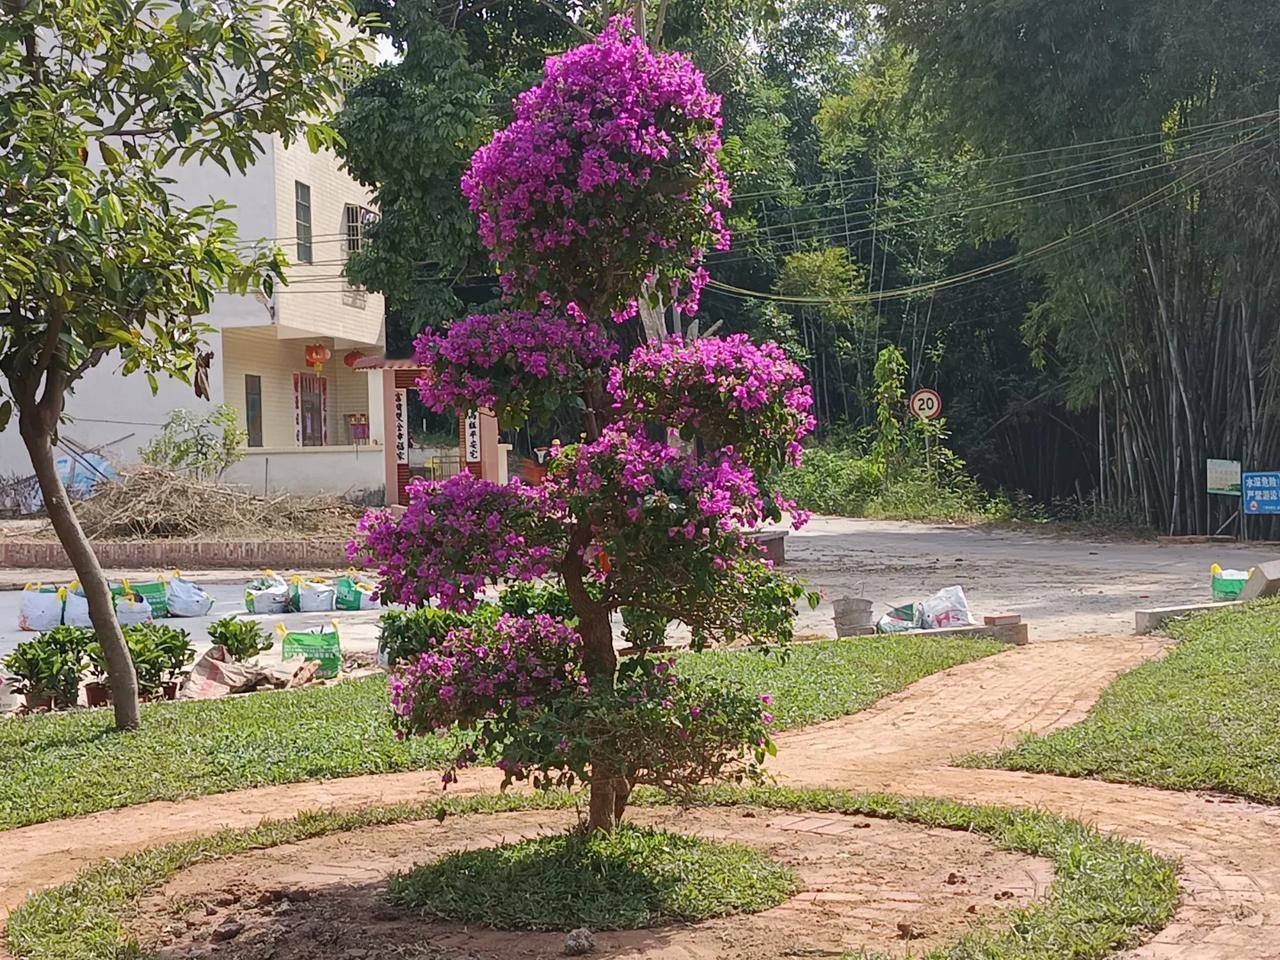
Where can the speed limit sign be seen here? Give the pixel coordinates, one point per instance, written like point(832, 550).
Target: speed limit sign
point(926, 404)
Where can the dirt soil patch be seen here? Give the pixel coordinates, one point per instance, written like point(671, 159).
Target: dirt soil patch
point(880, 885)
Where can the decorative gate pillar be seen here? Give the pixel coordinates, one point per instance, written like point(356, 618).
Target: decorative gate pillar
point(478, 449)
point(478, 442)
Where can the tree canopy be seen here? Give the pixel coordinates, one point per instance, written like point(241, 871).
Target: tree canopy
point(97, 256)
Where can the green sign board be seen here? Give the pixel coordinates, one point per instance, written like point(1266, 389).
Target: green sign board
point(1224, 477)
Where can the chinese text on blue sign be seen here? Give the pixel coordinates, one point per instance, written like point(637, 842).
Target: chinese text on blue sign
point(1261, 493)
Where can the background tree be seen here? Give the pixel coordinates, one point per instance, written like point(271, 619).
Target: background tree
point(606, 182)
point(96, 256)
point(1160, 307)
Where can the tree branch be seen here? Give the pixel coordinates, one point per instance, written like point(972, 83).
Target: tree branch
point(115, 130)
point(587, 34)
point(655, 40)
point(89, 362)
point(52, 334)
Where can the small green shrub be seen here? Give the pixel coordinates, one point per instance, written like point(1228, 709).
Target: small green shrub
point(150, 659)
point(169, 646)
point(530, 599)
point(97, 662)
point(834, 482)
point(405, 634)
point(203, 446)
point(632, 878)
point(51, 664)
point(244, 639)
point(843, 483)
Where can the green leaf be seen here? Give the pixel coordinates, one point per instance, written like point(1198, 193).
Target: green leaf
point(109, 155)
point(6, 413)
point(155, 385)
point(76, 203)
point(111, 274)
point(111, 211)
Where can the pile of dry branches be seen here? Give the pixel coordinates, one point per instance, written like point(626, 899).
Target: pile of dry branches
point(151, 504)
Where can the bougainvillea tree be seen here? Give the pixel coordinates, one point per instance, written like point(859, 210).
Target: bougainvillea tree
point(605, 185)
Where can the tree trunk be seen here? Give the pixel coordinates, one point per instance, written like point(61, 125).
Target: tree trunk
point(653, 318)
point(608, 785)
point(124, 682)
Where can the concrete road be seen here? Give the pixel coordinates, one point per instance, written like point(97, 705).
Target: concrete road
point(1063, 588)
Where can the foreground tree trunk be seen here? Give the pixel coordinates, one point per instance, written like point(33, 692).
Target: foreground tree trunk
point(608, 787)
point(38, 438)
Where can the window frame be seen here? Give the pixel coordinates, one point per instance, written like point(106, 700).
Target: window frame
point(302, 225)
point(252, 414)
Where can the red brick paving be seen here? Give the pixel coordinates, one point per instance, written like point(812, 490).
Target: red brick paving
point(1229, 851)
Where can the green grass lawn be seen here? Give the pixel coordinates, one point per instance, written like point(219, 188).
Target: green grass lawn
point(1207, 717)
point(64, 764)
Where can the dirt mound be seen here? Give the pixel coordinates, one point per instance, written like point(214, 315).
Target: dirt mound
point(876, 884)
point(147, 503)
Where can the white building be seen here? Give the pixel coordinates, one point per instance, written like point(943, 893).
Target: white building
point(309, 430)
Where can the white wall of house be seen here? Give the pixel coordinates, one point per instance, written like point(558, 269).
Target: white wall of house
point(331, 470)
point(317, 301)
point(116, 412)
point(255, 337)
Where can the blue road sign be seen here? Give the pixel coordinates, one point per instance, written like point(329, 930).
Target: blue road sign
point(1260, 493)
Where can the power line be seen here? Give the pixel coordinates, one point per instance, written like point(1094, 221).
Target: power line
point(1155, 137)
point(991, 269)
point(1144, 173)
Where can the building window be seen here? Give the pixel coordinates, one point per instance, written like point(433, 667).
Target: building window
point(253, 408)
point(302, 217)
point(312, 399)
point(354, 220)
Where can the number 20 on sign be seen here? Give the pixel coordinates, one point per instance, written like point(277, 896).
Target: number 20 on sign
point(926, 404)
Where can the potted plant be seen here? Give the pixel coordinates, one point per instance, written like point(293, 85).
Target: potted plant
point(150, 661)
point(176, 649)
point(97, 691)
point(47, 669)
point(33, 666)
point(242, 638)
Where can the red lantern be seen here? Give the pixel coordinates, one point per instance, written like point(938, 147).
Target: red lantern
point(352, 358)
point(317, 355)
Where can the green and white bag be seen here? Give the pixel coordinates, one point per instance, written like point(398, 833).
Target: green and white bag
point(313, 595)
point(156, 595)
point(900, 619)
point(354, 595)
point(267, 593)
point(320, 644)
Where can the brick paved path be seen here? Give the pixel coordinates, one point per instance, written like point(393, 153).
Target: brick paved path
point(1230, 851)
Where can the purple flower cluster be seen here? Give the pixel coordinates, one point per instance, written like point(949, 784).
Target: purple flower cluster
point(454, 537)
point(607, 176)
point(730, 391)
point(495, 360)
point(514, 664)
point(624, 479)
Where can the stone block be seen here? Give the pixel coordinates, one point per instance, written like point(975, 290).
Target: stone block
point(1265, 581)
point(1149, 621)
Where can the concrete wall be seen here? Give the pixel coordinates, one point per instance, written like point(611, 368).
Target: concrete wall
point(335, 470)
point(318, 299)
